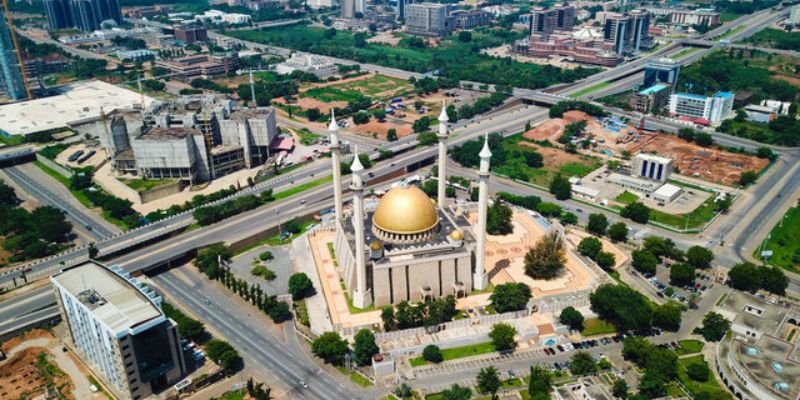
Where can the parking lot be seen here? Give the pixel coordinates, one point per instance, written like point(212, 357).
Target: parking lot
point(660, 283)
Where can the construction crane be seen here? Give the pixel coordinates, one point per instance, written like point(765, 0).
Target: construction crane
point(21, 62)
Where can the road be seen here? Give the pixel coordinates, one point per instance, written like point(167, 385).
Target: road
point(37, 305)
point(40, 186)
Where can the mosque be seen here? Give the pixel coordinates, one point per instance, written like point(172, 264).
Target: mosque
point(408, 247)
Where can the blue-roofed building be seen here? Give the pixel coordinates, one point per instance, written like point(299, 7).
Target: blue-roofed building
point(651, 98)
point(702, 109)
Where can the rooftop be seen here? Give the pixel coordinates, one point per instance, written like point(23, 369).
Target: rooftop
point(668, 190)
point(653, 89)
point(79, 102)
point(753, 312)
point(113, 299)
point(691, 96)
point(727, 95)
point(767, 363)
point(251, 113)
point(158, 133)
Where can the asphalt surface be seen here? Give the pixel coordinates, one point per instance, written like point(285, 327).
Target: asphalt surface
point(37, 304)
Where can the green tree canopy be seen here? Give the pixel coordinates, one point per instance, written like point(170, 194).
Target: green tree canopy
point(681, 274)
point(498, 219)
point(300, 286)
point(502, 335)
point(644, 261)
point(431, 353)
point(560, 187)
point(510, 297)
point(364, 347)
point(571, 317)
point(330, 347)
point(715, 326)
point(618, 232)
point(582, 364)
point(622, 306)
point(590, 246)
point(636, 212)
point(546, 258)
point(489, 380)
point(699, 256)
point(598, 223)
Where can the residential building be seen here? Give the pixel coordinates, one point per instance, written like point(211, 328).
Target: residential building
point(470, 19)
point(701, 16)
point(191, 34)
point(651, 98)
point(428, 19)
point(320, 66)
point(118, 329)
point(663, 70)
point(204, 66)
point(86, 15)
point(587, 51)
point(651, 166)
point(701, 109)
point(10, 72)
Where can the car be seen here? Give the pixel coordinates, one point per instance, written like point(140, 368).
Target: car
point(88, 227)
point(304, 384)
point(579, 210)
point(703, 288)
point(560, 348)
point(550, 351)
point(660, 294)
point(512, 374)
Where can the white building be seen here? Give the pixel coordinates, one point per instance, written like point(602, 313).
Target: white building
point(220, 17)
point(652, 167)
point(667, 193)
point(703, 109)
point(317, 4)
point(118, 329)
point(320, 66)
point(794, 15)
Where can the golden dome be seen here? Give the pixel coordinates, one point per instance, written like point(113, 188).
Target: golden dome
point(456, 234)
point(405, 210)
point(375, 245)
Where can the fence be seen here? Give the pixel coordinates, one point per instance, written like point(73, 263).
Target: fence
point(54, 166)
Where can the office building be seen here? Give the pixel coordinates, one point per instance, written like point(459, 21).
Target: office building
point(629, 33)
point(544, 21)
point(794, 15)
point(401, 9)
point(191, 34)
point(652, 167)
point(701, 109)
point(565, 16)
point(206, 66)
point(701, 16)
point(616, 32)
point(86, 15)
point(471, 19)
point(640, 31)
point(651, 98)
point(766, 111)
point(348, 8)
point(663, 70)
point(317, 4)
point(587, 50)
point(428, 19)
point(118, 329)
point(360, 7)
point(10, 71)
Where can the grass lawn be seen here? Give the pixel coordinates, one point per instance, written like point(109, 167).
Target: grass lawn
point(233, 395)
point(685, 52)
point(711, 386)
point(784, 241)
point(594, 326)
point(12, 140)
point(386, 86)
point(627, 197)
point(359, 379)
point(689, 347)
point(458, 352)
point(302, 188)
point(302, 312)
point(589, 89)
point(143, 185)
point(355, 310)
point(435, 396)
point(510, 383)
point(674, 391)
point(695, 219)
point(728, 16)
point(567, 164)
point(307, 137)
point(331, 93)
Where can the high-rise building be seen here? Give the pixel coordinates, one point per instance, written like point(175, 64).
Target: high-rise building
point(348, 8)
point(662, 70)
point(86, 15)
point(428, 19)
point(628, 32)
point(360, 6)
point(794, 15)
point(119, 330)
point(546, 20)
point(565, 16)
point(10, 71)
point(639, 34)
point(616, 31)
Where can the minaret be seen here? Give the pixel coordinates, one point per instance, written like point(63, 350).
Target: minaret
point(479, 281)
point(361, 297)
point(253, 89)
point(442, 155)
point(333, 128)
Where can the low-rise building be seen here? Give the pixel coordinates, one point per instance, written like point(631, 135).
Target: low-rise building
point(652, 167)
point(206, 66)
point(667, 193)
point(136, 55)
point(218, 17)
point(702, 109)
point(118, 329)
point(318, 65)
point(471, 19)
point(701, 16)
point(191, 34)
point(588, 51)
point(651, 98)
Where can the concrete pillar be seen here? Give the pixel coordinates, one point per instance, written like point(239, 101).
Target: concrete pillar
point(362, 298)
point(333, 128)
point(442, 136)
point(480, 279)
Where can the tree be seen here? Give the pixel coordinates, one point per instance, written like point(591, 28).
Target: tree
point(598, 223)
point(681, 274)
point(636, 212)
point(92, 250)
point(621, 306)
point(661, 248)
point(403, 391)
point(715, 326)
point(223, 354)
point(620, 389)
point(510, 297)
point(7, 195)
point(313, 114)
point(498, 219)
point(391, 135)
point(703, 139)
point(699, 257)
point(745, 276)
point(330, 347)
point(361, 117)
point(582, 364)
point(422, 124)
point(636, 350)
point(651, 385)
point(489, 381)
point(546, 258)
point(668, 316)
point(698, 371)
point(387, 316)
point(572, 318)
point(560, 187)
point(644, 261)
point(747, 178)
point(502, 335)
point(457, 392)
point(465, 36)
point(300, 286)
point(431, 353)
point(618, 232)
point(590, 246)
point(773, 280)
point(568, 218)
point(329, 33)
point(280, 312)
point(364, 347)
point(606, 260)
point(540, 382)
